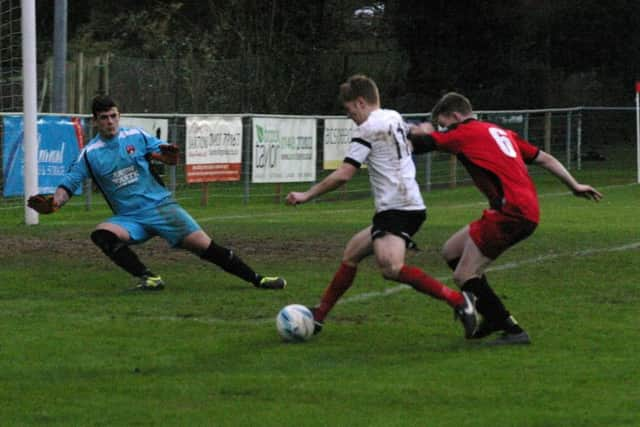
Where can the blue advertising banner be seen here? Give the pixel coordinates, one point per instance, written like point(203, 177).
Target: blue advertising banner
point(59, 143)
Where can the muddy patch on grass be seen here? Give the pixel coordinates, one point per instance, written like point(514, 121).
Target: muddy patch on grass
point(249, 248)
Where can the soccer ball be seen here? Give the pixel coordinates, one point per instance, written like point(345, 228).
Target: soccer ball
point(295, 323)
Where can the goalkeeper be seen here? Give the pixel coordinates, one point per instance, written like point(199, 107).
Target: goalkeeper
point(118, 160)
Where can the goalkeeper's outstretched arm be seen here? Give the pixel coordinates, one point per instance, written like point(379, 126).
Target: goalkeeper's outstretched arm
point(49, 203)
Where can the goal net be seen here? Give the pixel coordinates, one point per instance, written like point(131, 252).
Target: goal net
point(10, 57)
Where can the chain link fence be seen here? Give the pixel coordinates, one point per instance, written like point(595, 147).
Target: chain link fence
point(585, 139)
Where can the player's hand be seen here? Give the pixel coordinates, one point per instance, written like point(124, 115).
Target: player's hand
point(296, 198)
point(169, 154)
point(421, 130)
point(43, 203)
point(587, 192)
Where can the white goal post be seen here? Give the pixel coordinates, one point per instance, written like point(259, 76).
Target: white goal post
point(29, 91)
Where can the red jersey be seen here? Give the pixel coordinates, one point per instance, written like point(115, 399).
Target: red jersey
point(495, 158)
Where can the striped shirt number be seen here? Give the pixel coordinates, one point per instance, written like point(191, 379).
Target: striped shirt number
point(400, 139)
point(503, 141)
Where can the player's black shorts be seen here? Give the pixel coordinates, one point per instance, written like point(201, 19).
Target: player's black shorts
point(401, 223)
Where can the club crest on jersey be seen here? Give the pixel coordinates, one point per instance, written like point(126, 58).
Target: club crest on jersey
point(131, 149)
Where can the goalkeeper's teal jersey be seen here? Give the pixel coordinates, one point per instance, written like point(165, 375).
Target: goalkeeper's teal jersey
point(120, 168)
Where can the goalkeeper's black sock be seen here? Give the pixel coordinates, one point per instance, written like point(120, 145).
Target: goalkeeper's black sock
point(230, 262)
point(120, 253)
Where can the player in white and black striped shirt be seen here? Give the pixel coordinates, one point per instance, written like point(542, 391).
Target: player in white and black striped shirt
point(380, 142)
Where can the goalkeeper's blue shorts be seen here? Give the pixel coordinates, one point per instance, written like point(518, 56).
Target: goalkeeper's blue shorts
point(169, 221)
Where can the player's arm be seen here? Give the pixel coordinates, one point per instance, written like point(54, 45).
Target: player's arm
point(553, 165)
point(47, 203)
point(71, 181)
point(421, 139)
point(61, 196)
point(335, 179)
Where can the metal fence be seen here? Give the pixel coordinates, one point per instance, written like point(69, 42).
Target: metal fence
point(582, 138)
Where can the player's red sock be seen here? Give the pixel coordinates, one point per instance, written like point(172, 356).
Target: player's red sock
point(342, 281)
point(424, 283)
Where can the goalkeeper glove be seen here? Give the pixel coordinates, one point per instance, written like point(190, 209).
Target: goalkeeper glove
point(168, 154)
point(43, 203)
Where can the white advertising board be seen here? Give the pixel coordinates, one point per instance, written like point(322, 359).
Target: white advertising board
point(284, 150)
point(213, 149)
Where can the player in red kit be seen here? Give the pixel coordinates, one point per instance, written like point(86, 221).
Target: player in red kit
point(496, 160)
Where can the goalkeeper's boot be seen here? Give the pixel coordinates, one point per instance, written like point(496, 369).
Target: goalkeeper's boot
point(150, 283)
point(467, 314)
point(272, 283)
point(317, 324)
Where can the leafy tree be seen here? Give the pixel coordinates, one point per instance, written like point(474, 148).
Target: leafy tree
point(278, 56)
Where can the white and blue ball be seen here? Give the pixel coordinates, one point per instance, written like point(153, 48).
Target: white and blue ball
point(295, 323)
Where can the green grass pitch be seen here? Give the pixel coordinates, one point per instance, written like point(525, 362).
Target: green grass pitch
point(75, 349)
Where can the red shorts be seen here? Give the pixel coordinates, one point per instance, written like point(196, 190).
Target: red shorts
point(496, 232)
